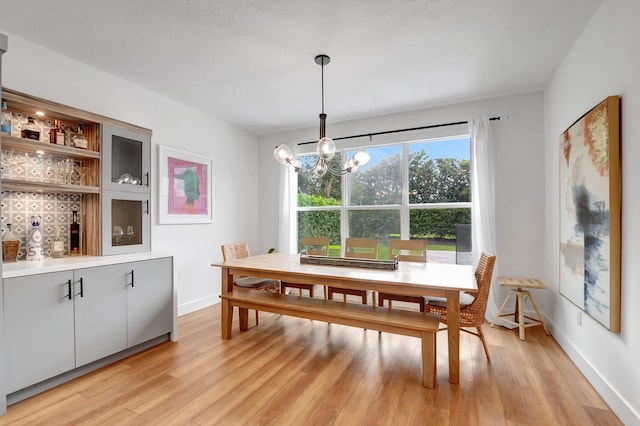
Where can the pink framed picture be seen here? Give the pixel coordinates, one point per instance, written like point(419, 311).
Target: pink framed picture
point(185, 187)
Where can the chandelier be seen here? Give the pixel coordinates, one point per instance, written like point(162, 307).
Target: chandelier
point(326, 147)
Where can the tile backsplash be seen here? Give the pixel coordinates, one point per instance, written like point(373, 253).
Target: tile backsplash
point(55, 210)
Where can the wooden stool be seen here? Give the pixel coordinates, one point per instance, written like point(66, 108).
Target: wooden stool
point(518, 315)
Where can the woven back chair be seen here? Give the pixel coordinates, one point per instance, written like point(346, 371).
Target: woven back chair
point(472, 307)
point(314, 246)
point(407, 251)
point(240, 251)
point(360, 248)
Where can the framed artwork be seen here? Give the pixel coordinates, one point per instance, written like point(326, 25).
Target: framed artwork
point(185, 187)
point(590, 213)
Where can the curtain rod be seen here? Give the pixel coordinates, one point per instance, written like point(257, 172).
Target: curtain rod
point(386, 132)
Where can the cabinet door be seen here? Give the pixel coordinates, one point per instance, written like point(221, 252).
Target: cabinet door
point(38, 322)
point(149, 299)
point(129, 214)
point(125, 153)
point(100, 312)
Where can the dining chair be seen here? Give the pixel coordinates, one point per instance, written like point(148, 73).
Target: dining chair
point(472, 306)
point(407, 251)
point(240, 251)
point(360, 248)
point(314, 246)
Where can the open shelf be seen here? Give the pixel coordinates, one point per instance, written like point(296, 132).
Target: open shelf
point(57, 188)
point(29, 146)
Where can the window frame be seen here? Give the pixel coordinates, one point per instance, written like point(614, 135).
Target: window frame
point(404, 207)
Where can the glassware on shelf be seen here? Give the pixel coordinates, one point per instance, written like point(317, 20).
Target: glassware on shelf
point(130, 232)
point(30, 130)
point(117, 234)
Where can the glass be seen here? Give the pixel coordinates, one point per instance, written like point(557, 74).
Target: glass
point(379, 224)
point(130, 232)
point(439, 227)
point(378, 182)
point(128, 212)
point(117, 234)
point(325, 223)
point(439, 171)
point(314, 190)
point(126, 161)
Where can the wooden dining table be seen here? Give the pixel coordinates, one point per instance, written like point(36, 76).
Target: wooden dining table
point(410, 278)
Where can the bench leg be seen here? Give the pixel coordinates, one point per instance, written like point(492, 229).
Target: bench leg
point(227, 317)
point(429, 359)
point(244, 319)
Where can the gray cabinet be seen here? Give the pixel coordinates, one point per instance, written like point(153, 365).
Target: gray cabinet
point(149, 299)
point(56, 322)
point(126, 190)
point(100, 312)
point(39, 330)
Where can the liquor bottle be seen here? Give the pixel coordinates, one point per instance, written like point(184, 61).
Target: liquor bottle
point(74, 240)
point(58, 244)
point(79, 141)
point(56, 134)
point(5, 125)
point(30, 130)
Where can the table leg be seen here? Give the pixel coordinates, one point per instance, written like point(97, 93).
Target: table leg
point(227, 315)
point(453, 333)
point(244, 319)
point(520, 313)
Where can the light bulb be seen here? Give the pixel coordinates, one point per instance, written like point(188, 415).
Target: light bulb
point(283, 154)
point(320, 168)
point(360, 158)
point(326, 148)
point(294, 165)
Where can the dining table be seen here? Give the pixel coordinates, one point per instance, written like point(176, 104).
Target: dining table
point(408, 278)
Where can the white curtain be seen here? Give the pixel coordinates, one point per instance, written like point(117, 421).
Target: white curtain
point(483, 218)
point(288, 217)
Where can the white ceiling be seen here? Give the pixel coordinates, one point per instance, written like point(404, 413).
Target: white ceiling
point(251, 62)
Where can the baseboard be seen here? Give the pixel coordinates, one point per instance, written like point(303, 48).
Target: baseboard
point(196, 305)
point(618, 404)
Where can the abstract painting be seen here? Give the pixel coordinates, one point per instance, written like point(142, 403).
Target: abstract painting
point(590, 213)
point(185, 187)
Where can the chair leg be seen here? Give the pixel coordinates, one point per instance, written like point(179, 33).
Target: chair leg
point(484, 343)
point(256, 318)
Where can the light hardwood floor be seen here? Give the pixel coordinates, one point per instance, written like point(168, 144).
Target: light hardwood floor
point(290, 371)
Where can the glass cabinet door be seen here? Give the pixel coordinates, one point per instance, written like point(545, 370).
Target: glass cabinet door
point(126, 223)
point(126, 157)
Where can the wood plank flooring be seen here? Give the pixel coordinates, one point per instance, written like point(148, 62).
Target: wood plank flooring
point(290, 371)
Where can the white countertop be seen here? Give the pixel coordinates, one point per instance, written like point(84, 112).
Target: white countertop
point(24, 268)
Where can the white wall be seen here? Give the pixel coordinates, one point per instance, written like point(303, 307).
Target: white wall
point(605, 60)
point(46, 74)
point(519, 143)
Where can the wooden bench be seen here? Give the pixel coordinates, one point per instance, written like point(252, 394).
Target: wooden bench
point(378, 318)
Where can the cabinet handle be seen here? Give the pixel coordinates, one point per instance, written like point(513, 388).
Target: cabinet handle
point(81, 288)
point(132, 279)
point(69, 287)
point(147, 175)
point(146, 203)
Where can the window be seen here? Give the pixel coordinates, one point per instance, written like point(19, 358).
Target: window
point(408, 190)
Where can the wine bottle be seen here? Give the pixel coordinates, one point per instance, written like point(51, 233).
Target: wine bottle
point(74, 240)
point(79, 141)
point(58, 244)
point(5, 125)
point(30, 130)
point(56, 134)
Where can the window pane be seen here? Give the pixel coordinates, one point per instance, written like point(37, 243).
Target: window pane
point(439, 171)
point(380, 181)
point(378, 224)
point(321, 224)
point(316, 190)
point(442, 230)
